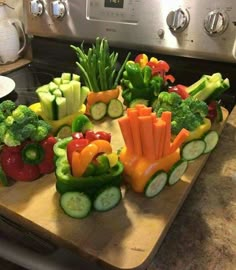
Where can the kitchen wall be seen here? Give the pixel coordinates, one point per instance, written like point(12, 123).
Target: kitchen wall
point(17, 12)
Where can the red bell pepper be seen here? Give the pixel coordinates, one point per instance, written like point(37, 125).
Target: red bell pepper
point(75, 145)
point(180, 90)
point(22, 163)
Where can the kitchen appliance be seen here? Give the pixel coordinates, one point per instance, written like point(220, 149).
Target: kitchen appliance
point(195, 37)
point(10, 32)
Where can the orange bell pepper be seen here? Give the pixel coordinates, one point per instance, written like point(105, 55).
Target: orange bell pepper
point(137, 171)
point(80, 161)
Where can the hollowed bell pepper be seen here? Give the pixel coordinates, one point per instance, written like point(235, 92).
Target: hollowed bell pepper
point(22, 166)
point(56, 124)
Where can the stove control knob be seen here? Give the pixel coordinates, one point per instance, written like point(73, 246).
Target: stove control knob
point(58, 9)
point(216, 22)
point(178, 20)
point(36, 7)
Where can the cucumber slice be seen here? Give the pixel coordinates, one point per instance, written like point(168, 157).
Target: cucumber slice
point(52, 86)
point(75, 204)
point(136, 101)
point(84, 90)
point(155, 184)
point(43, 88)
point(64, 132)
point(177, 170)
point(98, 110)
point(197, 86)
point(115, 108)
point(48, 105)
point(57, 80)
point(211, 139)
point(66, 76)
point(75, 85)
point(67, 92)
point(75, 77)
point(193, 149)
point(107, 198)
point(61, 108)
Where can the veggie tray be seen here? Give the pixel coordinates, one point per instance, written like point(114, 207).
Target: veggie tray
point(126, 237)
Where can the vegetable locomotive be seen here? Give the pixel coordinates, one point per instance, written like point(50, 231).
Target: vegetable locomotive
point(98, 69)
point(148, 154)
point(88, 172)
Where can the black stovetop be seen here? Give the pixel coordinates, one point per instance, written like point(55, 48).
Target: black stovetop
point(52, 57)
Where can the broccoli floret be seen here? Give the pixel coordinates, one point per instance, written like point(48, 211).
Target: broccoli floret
point(2, 116)
point(186, 113)
point(167, 102)
point(41, 132)
point(197, 106)
point(23, 114)
point(6, 107)
point(10, 139)
point(9, 121)
point(23, 132)
point(3, 129)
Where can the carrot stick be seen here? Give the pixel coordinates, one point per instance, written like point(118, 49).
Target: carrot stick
point(138, 107)
point(154, 117)
point(166, 116)
point(145, 111)
point(159, 134)
point(147, 139)
point(127, 133)
point(134, 124)
point(179, 139)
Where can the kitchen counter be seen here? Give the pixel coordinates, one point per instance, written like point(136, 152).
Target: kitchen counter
point(203, 235)
point(12, 66)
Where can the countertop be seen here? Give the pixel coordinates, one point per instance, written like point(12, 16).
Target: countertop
point(203, 235)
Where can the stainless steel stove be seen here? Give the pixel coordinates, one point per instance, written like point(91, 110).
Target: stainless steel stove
point(195, 37)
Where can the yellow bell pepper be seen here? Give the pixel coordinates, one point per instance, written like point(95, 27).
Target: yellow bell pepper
point(198, 132)
point(56, 124)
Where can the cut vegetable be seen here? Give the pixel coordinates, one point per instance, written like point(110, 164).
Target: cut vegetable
point(75, 204)
point(64, 131)
point(193, 149)
point(59, 147)
point(32, 153)
point(155, 184)
point(98, 110)
point(107, 198)
point(177, 171)
point(81, 124)
point(136, 101)
point(211, 139)
point(115, 108)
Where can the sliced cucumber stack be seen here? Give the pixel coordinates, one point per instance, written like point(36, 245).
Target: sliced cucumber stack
point(193, 149)
point(107, 198)
point(155, 184)
point(62, 96)
point(177, 171)
point(211, 139)
point(76, 204)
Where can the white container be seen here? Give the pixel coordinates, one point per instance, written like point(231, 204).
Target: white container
point(10, 30)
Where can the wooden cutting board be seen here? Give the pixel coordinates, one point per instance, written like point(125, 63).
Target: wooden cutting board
point(126, 237)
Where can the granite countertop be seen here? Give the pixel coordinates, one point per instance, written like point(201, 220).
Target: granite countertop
point(203, 235)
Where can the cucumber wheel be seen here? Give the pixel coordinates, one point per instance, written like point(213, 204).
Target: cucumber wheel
point(98, 110)
point(64, 131)
point(211, 139)
point(155, 184)
point(193, 149)
point(75, 204)
point(107, 198)
point(177, 170)
point(115, 108)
